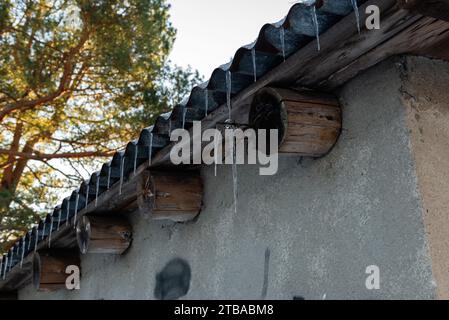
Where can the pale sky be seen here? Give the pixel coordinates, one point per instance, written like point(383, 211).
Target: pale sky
point(211, 31)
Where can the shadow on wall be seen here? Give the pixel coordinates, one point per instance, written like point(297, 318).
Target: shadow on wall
point(173, 282)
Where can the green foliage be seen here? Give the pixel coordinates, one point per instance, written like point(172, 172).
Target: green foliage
point(78, 79)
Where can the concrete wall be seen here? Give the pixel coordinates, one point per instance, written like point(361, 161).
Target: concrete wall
point(310, 231)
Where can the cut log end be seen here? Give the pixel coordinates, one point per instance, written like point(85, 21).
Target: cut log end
point(175, 196)
point(49, 269)
point(103, 234)
point(308, 123)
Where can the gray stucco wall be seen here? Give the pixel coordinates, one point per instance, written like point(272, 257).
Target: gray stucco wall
point(309, 231)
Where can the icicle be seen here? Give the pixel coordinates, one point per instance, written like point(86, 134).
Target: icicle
point(122, 172)
point(36, 239)
point(357, 14)
point(184, 114)
point(109, 177)
point(206, 100)
point(1, 267)
point(253, 56)
point(135, 158)
point(169, 127)
point(282, 35)
point(97, 189)
point(234, 173)
point(216, 145)
point(87, 195)
point(51, 230)
point(76, 210)
point(150, 150)
point(228, 92)
point(11, 261)
point(29, 243)
point(59, 219)
point(67, 213)
point(6, 266)
point(317, 27)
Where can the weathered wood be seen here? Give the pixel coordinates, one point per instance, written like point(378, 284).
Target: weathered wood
point(49, 268)
point(432, 8)
point(103, 234)
point(309, 123)
point(175, 196)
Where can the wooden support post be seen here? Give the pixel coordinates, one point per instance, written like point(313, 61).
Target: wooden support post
point(103, 234)
point(432, 8)
point(175, 196)
point(309, 123)
point(49, 268)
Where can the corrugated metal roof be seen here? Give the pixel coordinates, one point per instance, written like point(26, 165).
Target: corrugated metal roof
point(276, 42)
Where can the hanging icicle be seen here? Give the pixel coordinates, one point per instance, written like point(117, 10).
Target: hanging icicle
point(67, 213)
point(109, 177)
point(23, 253)
point(184, 114)
point(282, 36)
point(357, 14)
point(36, 240)
point(253, 57)
point(5, 268)
point(59, 219)
point(228, 93)
point(206, 101)
point(150, 150)
point(97, 189)
point(122, 172)
point(76, 210)
point(136, 150)
point(87, 195)
point(317, 27)
point(50, 232)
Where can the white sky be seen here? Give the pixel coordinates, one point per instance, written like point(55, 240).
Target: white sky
point(211, 31)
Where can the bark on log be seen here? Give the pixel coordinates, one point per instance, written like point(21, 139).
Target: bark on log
point(49, 268)
point(309, 123)
point(103, 234)
point(175, 196)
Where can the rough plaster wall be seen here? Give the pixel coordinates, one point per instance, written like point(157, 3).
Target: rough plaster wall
point(310, 231)
point(426, 96)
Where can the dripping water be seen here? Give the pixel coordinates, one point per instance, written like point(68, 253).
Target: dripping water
point(253, 56)
point(317, 27)
point(122, 171)
point(150, 150)
point(357, 14)
point(282, 35)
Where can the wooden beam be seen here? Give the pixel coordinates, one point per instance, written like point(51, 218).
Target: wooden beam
point(438, 9)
